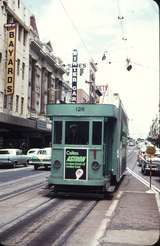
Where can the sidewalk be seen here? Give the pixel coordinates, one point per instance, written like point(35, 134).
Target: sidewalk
point(136, 219)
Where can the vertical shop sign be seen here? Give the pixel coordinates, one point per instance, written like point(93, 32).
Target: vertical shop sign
point(10, 65)
point(74, 75)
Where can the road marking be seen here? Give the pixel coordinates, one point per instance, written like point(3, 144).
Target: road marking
point(153, 187)
point(142, 180)
point(105, 222)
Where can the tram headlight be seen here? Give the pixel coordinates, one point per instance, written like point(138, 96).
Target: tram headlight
point(57, 164)
point(95, 165)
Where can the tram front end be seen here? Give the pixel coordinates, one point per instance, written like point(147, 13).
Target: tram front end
point(82, 148)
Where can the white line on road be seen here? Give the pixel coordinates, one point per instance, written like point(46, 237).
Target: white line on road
point(142, 180)
point(153, 188)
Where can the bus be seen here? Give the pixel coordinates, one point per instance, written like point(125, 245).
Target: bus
point(89, 147)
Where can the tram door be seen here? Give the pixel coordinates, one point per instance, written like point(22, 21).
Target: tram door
point(108, 144)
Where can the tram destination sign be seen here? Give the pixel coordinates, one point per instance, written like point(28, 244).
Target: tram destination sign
point(75, 164)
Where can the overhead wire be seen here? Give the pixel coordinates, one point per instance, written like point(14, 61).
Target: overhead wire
point(75, 28)
point(121, 19)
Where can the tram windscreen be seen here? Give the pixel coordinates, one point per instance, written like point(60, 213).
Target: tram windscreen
point(57, 132)
point(77, 132)
point(97, 133)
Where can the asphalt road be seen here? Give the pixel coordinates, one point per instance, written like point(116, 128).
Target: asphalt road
point(10, 174)
point(73, 221)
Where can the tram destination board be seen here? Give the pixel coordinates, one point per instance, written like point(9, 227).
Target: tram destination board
point(76, 163)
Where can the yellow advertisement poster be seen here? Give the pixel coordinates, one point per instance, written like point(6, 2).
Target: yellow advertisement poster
point(10, 66)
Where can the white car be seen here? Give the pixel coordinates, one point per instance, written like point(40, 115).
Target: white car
point(32, 152)
point(41, 158)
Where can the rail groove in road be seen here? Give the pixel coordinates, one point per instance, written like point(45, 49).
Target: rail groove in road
point(52, 224)
point(21, 191)
point(24, 179)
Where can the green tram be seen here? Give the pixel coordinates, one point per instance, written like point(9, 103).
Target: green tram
point(89, 144)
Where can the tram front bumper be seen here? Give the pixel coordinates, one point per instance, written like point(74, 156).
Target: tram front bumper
point(59, 181)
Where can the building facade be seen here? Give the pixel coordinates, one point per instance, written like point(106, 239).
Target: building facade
point(154, 133)
point(82, 96)
point(31, 77)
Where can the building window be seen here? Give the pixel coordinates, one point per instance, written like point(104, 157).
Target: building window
point(5, 101)
point(18, 66)
point(19, 33)
point(9, 19)
point(19, 3)
point(24, 37)
point(17, 102)
point(11, 103)
point(22, 104)
point(23, 70)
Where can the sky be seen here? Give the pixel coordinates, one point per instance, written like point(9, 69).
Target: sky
point(92, 27)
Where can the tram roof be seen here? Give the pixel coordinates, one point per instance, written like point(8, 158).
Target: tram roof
point(87, 110)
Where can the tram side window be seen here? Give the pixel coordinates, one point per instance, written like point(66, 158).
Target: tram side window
point(97, 133)
point(77, 132)
point(57, 132)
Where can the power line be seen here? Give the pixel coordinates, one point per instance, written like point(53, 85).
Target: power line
point(75, 27)
point(121, 20)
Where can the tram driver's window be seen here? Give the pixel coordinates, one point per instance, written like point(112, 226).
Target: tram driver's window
point(77, 132)
point(97, 133)
point(57, 132)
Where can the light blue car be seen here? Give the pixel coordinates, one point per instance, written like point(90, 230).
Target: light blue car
point(13, 157)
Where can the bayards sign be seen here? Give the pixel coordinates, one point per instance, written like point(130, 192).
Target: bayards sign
point(74, 75)
point(11, 51)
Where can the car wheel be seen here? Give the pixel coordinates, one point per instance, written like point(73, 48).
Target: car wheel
point(14, 165)
point(35, 167)
point(143, 170)
point(26, 164)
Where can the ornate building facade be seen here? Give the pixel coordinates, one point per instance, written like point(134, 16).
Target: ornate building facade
point(31, 77)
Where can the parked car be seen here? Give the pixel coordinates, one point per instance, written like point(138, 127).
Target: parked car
point(13, 157)
point(154, 163)
point(141, 156)
point(32, 152)
point(41, 158)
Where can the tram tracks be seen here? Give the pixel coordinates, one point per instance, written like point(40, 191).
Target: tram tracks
point(30, 217)
point(17, 187)
point(21, 191)
point(50, 224)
